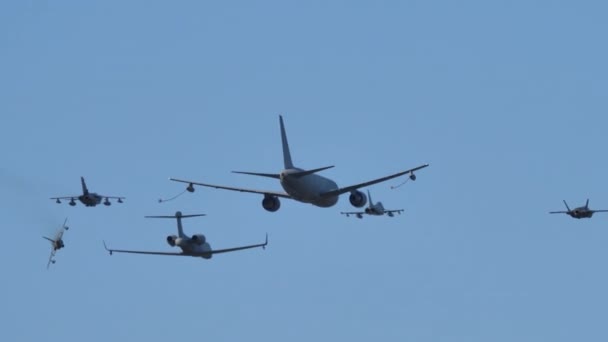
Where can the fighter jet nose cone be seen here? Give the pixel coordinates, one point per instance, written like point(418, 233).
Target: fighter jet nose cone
point(178, 213)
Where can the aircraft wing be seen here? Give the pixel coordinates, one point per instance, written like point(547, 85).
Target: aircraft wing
point(141, 252)
point(559, 212)
point(372, 182)
point(599, 211)
point(50, 258)
point(65, 197)
point(398, 211)
point(253, 191)
point(113, 197)
point(352, 212)
point(225, 250)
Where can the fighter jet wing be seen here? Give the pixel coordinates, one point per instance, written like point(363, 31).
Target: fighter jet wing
point(65, 197)
point(50, 258)
point(352, 212)
point(253, 191)
point(398, 211)
point(113, 197)
point(372, 182)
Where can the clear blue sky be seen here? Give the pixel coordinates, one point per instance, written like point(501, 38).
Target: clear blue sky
point(505, 99)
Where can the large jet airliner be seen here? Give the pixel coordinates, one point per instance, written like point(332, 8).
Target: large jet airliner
point(304, 185)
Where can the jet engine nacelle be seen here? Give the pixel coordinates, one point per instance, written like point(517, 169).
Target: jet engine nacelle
point(412, 176)
point(72, 202)
point(107, 203)
point(198, 239)
point(171, 240)
point(271, 203)
point(357, 199)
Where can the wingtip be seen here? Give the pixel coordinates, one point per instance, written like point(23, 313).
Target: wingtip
point(106, 247)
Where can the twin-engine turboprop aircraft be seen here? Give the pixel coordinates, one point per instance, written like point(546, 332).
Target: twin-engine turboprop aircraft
point(304, 185)
point(376, 209)
point(56, 242)
point(194, 246)
point(89, 199)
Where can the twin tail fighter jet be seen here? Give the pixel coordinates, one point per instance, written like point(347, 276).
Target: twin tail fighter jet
point(89, 199)
point(193, 246)
point(376, 209)
point(580, 212)
point(56, 242)
point(304, 185)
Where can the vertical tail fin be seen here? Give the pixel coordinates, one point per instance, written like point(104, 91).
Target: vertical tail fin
point(84, 186)
point(286, 154)
point(566, 204)
point(370, 198)
point(180, 228)
point(587, 204)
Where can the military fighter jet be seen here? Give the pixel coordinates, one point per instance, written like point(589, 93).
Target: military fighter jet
point(89, 199)
point(580, 212)
point(376, 209)
point(57, 242)
point(194, 246)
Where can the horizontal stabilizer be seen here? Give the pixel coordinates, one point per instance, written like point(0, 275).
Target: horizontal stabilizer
point(309, 172)
point(269, 175)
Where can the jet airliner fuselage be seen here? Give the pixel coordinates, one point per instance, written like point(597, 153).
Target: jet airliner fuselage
point(308, 188)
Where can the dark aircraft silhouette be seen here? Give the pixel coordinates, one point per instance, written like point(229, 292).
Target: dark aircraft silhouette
point(89, 199)
point(580, 212)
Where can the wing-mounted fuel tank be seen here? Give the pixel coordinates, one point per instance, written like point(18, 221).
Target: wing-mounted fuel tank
point(357, 199)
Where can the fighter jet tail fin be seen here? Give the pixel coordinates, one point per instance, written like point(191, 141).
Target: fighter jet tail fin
point(566, 204)
point(587, 204)
point(84, 186)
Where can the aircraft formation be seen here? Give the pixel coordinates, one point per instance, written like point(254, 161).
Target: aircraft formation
point(301, 185)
